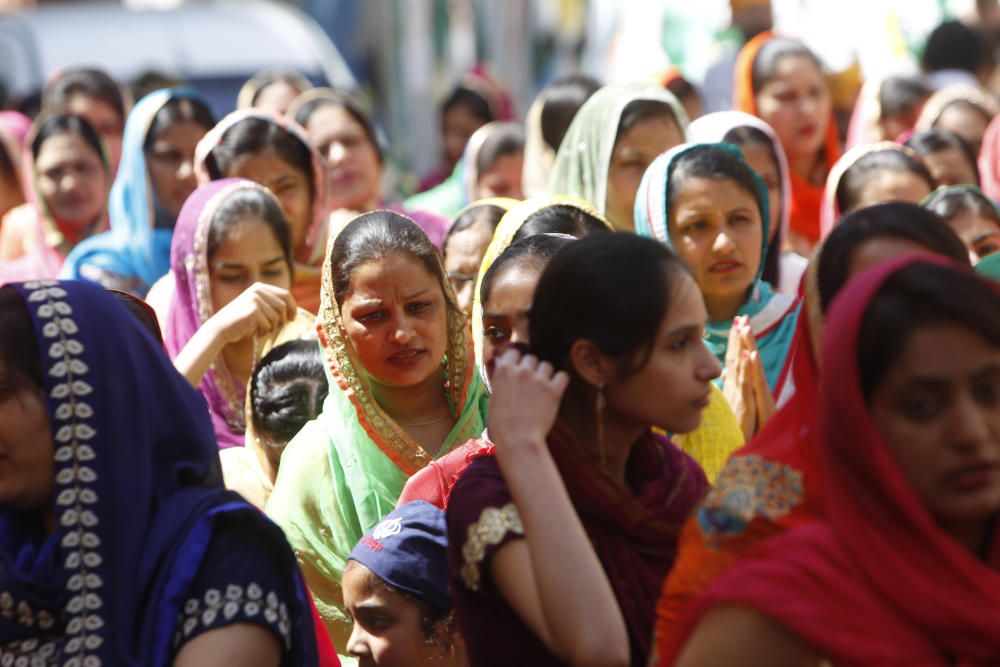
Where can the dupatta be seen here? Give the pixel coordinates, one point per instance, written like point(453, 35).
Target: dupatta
point(584, 157)
point(807, 197)
point(772, 315)
point(989, 160)
point(945, 97)
point(137, 497)
point(345, 470)
point(307, 259)
point(133, 254)
point(878, 582)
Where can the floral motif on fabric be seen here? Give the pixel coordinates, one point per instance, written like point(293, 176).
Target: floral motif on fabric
point(218, 608)
point(749, 487)
point(32, 652)
point(491, 528)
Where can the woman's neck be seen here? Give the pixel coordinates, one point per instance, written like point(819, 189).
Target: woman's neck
point(975, 535)
point(239, 359)
point(619, 438)
point(809, 167)
point(724, 307)
point(416, 404)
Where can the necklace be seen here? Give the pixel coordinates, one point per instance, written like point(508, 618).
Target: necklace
point(426, 423)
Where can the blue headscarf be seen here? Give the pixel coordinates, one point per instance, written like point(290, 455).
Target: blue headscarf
point(772, 315)
point(137, 495)
point(134, 252)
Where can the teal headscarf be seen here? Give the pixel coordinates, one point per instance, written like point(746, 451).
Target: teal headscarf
point(133, 254)
point(772, 315)
point(990, 266)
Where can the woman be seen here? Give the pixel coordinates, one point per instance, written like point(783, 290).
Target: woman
point(494, 160)
point(947, 156)
point(154, 179)
point(973, 217)
point(613, 138)
point(886, 109)
point(903, 570)
point(120, 545)
point(776, 483)
point(965, 110)
point(276, 153)
point(873, 174)
point(558, 543)
point(706, 202)
point(343, 132)
point(232, 271)
point(66, 199)
point(93, 94)
point(781, 81)
point(396, 589)
point(403, 390)
point(763, 152)
point(466, 242)
point(272, 90)
point(14, 128)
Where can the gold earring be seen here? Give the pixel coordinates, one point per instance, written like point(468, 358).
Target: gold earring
point(599, 405)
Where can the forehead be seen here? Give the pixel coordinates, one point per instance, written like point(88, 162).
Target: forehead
point(795, 70)
point(265, 166)
point(515, 283)
point(333, 117)
point(711, 192)
point(63, 146)
point(248, 238)
point(945, 351)
point(395, 271)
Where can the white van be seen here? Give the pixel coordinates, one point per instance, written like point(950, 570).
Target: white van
point(214, 46)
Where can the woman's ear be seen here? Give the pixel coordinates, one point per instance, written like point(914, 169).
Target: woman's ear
point(588, 362)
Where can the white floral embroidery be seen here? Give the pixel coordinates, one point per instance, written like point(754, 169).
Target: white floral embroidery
point(217, 609)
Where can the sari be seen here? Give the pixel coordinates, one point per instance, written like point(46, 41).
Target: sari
point(877, 582)
point(345, 470)
point(470, 158)
point(713, 128)
point(33, 244)
point(584, 157)
point(146, 537)
point(807, 197)
point(191, 306)
point(135, 252)
point(538, 155)
point(633, 527)
point(989, 161)
point(308, 258)
point(772, 315)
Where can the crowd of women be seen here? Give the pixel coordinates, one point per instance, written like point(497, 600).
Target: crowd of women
point(618, 387)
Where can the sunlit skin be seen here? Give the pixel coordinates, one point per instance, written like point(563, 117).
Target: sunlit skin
point(505, 312)
point(796, 103)
point(761, 160)
point(889, 186)
point(73, 182)
point(634, 151)
point(463, 253)
point(288, 183)
point(276, 97)
point(502, 179)
point(387, 628)
point(965, 121)
point(108, 124)
point(938, 410)
point(979, 234)
point(715, 227)
point(457, 125)
point(170, 161)
point(950, 167)
point(11, 194)
point(353, 167)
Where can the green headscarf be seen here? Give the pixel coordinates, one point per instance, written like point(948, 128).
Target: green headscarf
point(990, 266)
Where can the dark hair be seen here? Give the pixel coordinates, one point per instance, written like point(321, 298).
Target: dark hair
point(561, 219)
point(287, 390)
point(19, 349)
point(354, 109)
point(936, 139)
point(771, 53)
point(250, 202)
point(747, 135)
point(899, 95)
point(955, 201)
point(863, 171)
point(603, 269)
point(251, 136)
point(505, 139)
point(142, 312)
point(68, 123)
point(152, 80)
point(918, 296)
point(269, 77)
point(638, 111)
point(92, 83)
point(954, 45)
point(708, 161)
point(538, 249)
point(178, 110)
point(895, 220)
point(374, 235)
point(488, 214)
point(681, 88)
point(476, 103)
point(563, 99)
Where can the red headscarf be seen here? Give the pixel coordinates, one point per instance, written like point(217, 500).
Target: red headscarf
point(807, 198)
point(878, 582)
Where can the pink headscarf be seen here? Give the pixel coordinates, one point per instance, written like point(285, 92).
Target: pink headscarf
point(989, 161)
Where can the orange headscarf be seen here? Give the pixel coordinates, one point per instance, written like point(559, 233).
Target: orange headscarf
point(807, 198)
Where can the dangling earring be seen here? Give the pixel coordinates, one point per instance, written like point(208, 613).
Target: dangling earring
point(599, 405)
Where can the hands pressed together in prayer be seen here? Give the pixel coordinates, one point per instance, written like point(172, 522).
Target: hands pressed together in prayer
point(743, 381)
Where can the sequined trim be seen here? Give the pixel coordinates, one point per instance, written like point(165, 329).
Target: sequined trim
point(32, 652)
point(747, 488)
point(217, 609)
point(492, 526)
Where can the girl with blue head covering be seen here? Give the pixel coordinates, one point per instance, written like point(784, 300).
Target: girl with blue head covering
point(155, 176)
point(711, 208)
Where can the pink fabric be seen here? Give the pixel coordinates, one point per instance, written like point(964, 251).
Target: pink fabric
point(877, 582)
point(989, 161)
